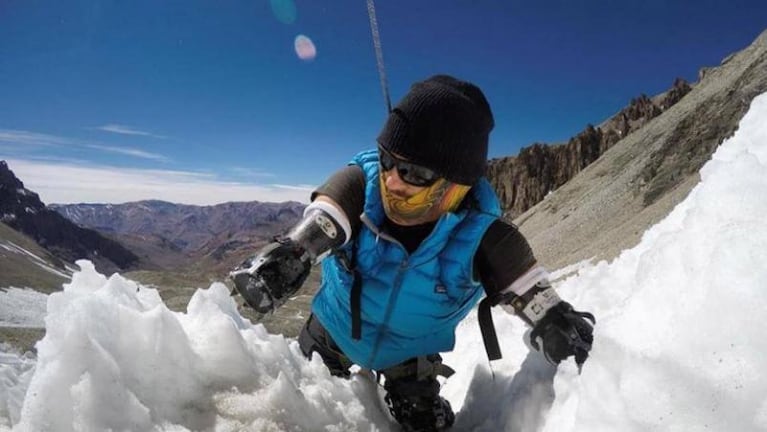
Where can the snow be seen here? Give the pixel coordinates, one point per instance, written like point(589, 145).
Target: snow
point(679, 343)
point(22, 307)
point(15, 373)
point(569, 270)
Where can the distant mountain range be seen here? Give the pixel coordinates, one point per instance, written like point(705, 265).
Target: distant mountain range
point(174, 236)
point(145, 235)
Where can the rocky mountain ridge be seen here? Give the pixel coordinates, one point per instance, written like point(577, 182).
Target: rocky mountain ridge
point(524, 180)
point(22, 210)
point(638, 181)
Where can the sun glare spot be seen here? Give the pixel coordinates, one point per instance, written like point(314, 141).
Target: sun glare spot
point(305, 48)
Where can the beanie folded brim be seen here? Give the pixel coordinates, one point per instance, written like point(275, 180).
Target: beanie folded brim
point(444, 124)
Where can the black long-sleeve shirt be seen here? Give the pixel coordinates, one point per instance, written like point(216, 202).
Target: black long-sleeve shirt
point(503, 254)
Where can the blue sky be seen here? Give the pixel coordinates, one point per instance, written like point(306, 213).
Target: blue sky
point(205, 102)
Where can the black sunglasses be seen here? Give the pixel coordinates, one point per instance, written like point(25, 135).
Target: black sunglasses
point(410, 173)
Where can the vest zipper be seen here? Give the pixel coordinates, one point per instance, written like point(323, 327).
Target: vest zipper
point(396, 286)
point(389, 309)
point(372, 227)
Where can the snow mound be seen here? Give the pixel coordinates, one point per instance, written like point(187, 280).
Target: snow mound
point(115, 357)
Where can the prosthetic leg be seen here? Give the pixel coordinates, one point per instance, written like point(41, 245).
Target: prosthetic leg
point(412, 394)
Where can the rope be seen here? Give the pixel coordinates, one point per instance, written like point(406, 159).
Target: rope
point(379, 53)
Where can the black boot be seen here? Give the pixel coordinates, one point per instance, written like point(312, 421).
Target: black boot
point(417, 405)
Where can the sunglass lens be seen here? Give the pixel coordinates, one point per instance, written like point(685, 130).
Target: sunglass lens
point(387, 162)
point(417, 175)
point(413, 174)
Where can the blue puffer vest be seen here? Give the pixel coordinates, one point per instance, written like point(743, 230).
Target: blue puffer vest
point(410, 304)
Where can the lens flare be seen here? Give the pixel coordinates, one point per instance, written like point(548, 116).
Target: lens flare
point(305, 48)
point(284, 11)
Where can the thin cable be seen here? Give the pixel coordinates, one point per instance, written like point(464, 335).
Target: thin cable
point(379, 53)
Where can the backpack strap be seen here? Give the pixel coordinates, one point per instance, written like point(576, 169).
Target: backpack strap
point(349, 263)
point(356, 304)
point(486, 326)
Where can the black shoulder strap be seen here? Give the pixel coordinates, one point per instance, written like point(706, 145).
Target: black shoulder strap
point(487, 328)
point(349, 263)
point(356, 304)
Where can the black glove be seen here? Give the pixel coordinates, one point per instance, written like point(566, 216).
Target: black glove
point(268, 279)
point(563, 332)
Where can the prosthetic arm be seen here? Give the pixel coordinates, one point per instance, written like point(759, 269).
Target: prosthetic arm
point(278, 270)
point(558, 331)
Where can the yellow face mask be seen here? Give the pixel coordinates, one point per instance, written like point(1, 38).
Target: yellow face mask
point(425, 206)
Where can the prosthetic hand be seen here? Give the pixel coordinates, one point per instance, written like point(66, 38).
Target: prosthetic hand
point(268, 279)
point(558, 330)
point(564, 332)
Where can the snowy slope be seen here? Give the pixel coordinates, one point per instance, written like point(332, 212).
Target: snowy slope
point(679, 343)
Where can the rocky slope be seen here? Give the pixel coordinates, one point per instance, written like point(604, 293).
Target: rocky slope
point(24, 264)
point(523, 180)
point(635, 183)
point(22, 210)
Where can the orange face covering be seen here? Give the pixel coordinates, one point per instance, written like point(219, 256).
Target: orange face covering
point(425, 206)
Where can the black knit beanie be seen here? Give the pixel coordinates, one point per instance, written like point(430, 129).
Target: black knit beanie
point(442, 123)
